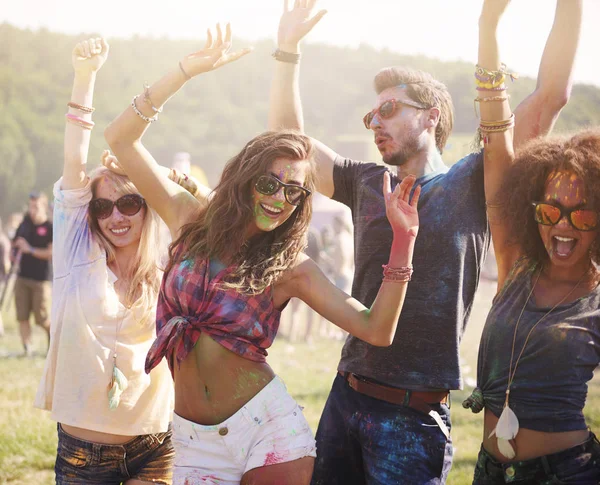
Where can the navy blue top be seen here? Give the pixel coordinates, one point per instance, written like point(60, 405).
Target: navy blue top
point(452, 243)
point(550, 386)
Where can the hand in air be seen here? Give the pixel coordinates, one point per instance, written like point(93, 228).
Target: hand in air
point(298, 21)
point(401, 211)
point(493, 9)
point(89, 55)
point(111, 162)
point(216, 53)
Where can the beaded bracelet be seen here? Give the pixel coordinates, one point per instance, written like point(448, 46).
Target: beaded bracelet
point(147, 119)
point(397, 275)
point(80, 107)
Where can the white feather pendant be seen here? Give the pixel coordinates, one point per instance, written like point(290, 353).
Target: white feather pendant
point(506, 448)
point(506, 429)
point(117, 385)
point(508, 424)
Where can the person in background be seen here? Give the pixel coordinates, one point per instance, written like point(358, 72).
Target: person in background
point(33, 288)
point(5, 248)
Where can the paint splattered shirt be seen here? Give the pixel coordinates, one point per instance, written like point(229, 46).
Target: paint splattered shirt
point(192, 302)
point(452, 243)
point(550, 386)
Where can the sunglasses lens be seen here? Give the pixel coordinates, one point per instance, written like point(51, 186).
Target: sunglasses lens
point(584, 220)
point(547, 214)
point(294, 195)
point(387, 109)
point(266, 185)
point(101, 208)
point(129, 205)
point(367, 120)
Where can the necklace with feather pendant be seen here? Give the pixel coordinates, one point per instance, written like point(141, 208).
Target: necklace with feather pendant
point(507, 426)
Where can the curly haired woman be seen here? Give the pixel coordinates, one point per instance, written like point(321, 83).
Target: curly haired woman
point(541, 340)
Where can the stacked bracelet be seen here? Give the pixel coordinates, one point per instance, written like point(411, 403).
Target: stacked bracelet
point(283, 56)
point(76, 120)
point(397, 275)
point(80, 107)
point(148, 100)
point(147, 119)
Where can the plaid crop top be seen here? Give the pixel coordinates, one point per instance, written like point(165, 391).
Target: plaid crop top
point(191, 303)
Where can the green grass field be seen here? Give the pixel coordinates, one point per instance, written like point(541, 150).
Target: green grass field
point(28, 436)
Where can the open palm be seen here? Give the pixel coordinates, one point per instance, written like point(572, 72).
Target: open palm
point(216, 53)
point(295, 23)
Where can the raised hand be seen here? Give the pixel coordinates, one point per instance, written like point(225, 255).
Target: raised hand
point(89, 55)
point(110, 161)
point(216, 53)
point(295, 23)
point(401, 211)
point(493, 9)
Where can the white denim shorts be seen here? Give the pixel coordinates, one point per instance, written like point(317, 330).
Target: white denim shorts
point(268, 430)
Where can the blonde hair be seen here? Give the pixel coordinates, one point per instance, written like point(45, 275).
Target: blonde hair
point(147, 272)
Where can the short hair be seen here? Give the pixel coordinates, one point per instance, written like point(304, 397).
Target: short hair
point(41, 196)
point(422, 88)
point(525, 182)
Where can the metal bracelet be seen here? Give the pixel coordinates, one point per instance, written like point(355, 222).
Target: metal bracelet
point(147, 119)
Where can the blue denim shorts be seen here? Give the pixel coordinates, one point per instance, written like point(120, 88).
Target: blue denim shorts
point(579, 465)
point(148, 458)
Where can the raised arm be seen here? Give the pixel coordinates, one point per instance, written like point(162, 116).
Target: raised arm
point(87, 58)
point(174, 204)
point(376, 325)
point(496, 129)
point(285, 106)
point(535, 116)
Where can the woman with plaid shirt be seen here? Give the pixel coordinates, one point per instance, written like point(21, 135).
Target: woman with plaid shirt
point(235, 262)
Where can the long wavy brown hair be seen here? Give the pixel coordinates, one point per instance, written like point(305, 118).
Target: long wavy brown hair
point(220, 229)
point(526, 181)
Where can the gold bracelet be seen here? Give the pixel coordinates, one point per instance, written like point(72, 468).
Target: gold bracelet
point(80, 107)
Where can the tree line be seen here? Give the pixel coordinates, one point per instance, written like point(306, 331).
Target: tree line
point(215, 114)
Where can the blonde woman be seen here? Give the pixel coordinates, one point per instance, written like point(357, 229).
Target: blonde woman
point(112, 418)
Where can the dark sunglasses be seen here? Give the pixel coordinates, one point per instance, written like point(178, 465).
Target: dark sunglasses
point(128, 205)
point(550, 214)
point(269, 185)
point(387, 110)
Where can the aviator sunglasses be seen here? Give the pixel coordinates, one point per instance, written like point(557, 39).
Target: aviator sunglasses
point(386, 110)
point(128, 205)
point(269, 185)
point(550, 214)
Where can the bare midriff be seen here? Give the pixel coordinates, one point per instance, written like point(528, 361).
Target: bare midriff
point(96, 436)
point(213, 383)
point(529, 443)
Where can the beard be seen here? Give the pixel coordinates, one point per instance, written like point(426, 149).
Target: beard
point(405, 152)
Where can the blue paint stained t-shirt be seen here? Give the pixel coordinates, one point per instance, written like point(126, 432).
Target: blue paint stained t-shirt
point(451, 245)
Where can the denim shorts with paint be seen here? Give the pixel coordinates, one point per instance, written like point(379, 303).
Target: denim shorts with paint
point(268, 430)
point(579, 465)
point(363, 440)
point(148, 458)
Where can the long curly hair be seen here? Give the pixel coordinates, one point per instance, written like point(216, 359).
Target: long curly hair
point(220, 229)
point(525, 182)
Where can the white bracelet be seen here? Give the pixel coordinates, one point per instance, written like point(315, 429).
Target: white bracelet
point(147, 119)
